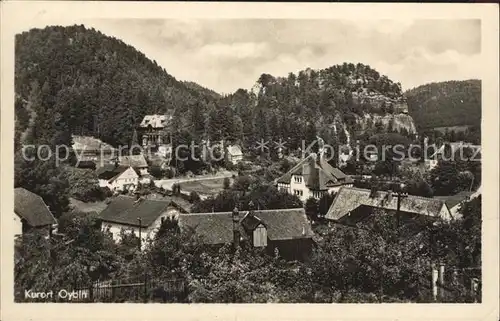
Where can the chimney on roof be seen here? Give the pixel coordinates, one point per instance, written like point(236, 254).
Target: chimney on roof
point(313, 158)
point(236, 231)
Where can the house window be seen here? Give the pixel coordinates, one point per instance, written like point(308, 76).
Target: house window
point(298, 179)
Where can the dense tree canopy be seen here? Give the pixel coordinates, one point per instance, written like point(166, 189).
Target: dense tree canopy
point(446, 104)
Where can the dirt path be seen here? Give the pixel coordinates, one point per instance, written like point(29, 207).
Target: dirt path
point(167, 183)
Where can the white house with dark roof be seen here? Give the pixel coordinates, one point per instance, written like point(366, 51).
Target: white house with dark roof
point(313, 177)
point(285, 230)
point(31, 213)
point(124, 212)
point(352, 205)
point(118, 178)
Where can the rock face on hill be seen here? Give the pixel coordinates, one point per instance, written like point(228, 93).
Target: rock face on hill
point(344, 100)
point(79, 81)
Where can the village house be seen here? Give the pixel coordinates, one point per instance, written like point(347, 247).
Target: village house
point(156, 135)
point(91, 152)
point(118, 178)
point(31, 213)
point(286, 230)
point(313, 177)
point(455, 202)
point(137, 162)
point(140, 216)
point(352, 205)
point(233, 154)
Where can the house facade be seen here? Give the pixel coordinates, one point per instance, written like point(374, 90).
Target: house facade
point(31, 213)
point(352, 205)
point(285, 230)
point(155, 131)
point(234, 155)
point(142, 217)
point(313, 177)
point(118, 178)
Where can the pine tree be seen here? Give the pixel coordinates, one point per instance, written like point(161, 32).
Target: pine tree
point(311, 136)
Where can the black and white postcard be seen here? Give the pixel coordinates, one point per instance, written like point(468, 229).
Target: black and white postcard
point(198, 160)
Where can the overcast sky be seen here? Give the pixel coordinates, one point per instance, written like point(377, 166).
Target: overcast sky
point(225, 55)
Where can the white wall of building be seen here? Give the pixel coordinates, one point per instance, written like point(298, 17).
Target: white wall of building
point(146, 233)
point(298, 187)
point(127, 178)
point(445, 213)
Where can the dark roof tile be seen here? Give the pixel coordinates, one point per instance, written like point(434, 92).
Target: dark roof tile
point(126, 210)
point(317, 173)
point(217, 228)
point(32, 208)
point(348, 199)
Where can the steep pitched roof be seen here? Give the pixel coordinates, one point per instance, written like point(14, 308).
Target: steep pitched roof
point(89, 143)
point(156, 121)
point(348, 199)
point(318, 174)
point(126, 210)
point(32, 208)
point(453, 200)
point(110, 171)
point(217, 228)
point(136, 161)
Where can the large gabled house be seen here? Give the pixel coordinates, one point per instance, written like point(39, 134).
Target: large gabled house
point(285, 230)
point(313, 177)
point(31, 213)
point(140, 216)
point(353, 205)
point(156, 134)
point(118, 178)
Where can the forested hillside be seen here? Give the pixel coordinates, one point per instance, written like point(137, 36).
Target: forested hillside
point(446, 104)
point(75, 79)
point(338, 103)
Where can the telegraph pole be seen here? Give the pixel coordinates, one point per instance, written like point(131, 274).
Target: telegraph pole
point(399, 194)
point(140, 233)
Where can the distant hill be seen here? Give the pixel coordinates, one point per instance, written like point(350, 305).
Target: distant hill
point(338, 103)
point(202, 90)
point(78, 81)
point(75, 80)
point(446, 104)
